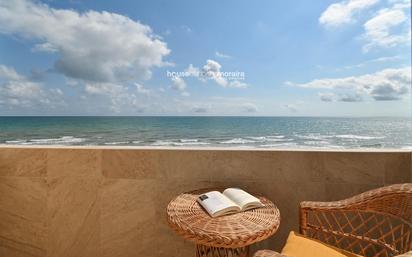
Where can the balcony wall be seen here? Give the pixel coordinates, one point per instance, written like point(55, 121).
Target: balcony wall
point(101, 202)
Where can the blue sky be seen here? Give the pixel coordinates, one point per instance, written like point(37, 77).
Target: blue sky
point(299, 58)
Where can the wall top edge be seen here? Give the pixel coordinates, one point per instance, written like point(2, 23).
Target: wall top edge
point(179, 148)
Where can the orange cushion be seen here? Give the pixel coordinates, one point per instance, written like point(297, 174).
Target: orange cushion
point(300, 246)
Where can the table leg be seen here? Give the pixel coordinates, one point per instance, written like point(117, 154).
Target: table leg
point(208, 251)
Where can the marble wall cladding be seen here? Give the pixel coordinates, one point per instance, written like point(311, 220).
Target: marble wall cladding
point(375, 167)
point(73, 162)
point(130, 164)
point(23, 228)
point(95, 202)
point(128, 218)
point(395, 167)
point(23, 162)
point(73, 215)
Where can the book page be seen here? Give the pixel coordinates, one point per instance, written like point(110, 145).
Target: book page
point(242, 198)
point(217, 204)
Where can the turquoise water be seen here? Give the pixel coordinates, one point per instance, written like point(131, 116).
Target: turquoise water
point(259, 132)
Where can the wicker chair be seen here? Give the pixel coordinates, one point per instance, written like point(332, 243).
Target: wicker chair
point(375, 223)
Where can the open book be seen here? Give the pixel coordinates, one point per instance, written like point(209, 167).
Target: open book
point(232, 200)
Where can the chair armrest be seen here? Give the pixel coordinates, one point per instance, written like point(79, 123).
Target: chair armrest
point(270, 253)
point(370, 200)
point(408, 254)
point(347, 223)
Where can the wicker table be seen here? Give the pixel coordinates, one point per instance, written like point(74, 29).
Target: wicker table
point(222, 236)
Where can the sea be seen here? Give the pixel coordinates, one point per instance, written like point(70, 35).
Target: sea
point(238, 132)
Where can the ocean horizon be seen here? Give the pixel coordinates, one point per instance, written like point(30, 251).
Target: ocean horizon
point(209, 131)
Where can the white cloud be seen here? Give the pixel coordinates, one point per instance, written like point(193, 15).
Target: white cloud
point(249, 107)
point(45, 47)
point(19, 90)
point(350, 98)
point(8, 73)
point(389, 92)
point(343, 12)
point(237, 84)
point(389, 27)
point(178, 83)
point(192, 70)
point(388, 84)
point(222, 55)
point(326, 97)
point(141, 89)
point(212, 70)
point(109, 89)
point(92, 46)
point(115, 96)
point(289, 83)
point(345, 97)
point(383, 29)
point(16, 91)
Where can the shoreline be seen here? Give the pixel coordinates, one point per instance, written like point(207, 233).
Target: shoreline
point(191, 148)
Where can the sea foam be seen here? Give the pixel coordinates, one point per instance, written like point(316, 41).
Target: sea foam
point(49, 141)
point(237, 141)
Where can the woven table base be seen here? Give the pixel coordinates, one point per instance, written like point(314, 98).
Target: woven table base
point(208, 251)
point(225, 236)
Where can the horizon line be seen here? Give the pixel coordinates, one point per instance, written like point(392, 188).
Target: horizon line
point(204, 116)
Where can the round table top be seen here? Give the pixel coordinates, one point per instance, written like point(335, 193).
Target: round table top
point(189, 220)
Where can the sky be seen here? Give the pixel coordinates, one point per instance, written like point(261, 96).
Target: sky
point(252, 58)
